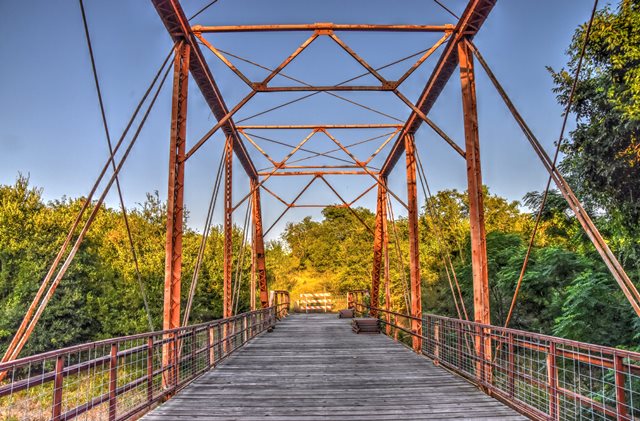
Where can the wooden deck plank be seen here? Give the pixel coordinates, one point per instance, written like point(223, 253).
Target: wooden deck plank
point(313, 367)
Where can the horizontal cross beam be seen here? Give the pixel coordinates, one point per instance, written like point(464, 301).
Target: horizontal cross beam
point(320, 126)
point(322, 26)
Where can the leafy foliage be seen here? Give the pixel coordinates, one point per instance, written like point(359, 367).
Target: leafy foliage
point(566, 290)
point(602, 157)
point(99, 296)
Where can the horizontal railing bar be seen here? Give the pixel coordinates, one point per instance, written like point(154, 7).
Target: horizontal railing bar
point(197, 354)
point(107, 342)
point(542, 337)
point(444, 344)
point(495, 329)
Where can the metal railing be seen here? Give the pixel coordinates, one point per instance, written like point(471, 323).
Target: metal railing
point(543, 377)
point(119, 378)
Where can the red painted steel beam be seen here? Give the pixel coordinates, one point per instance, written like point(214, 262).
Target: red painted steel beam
point(479, 262)
point(178, 27)
point(320, 126)
point(318, 173)
point(322, 26)
point(378, 245)
point(258, 245)
point(414, 243)
point(470, 22)
point(175, 208)
point(227, 310)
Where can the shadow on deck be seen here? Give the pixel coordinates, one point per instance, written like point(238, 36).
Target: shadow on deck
point(313, 367)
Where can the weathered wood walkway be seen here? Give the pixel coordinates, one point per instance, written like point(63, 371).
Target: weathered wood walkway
point(312, 367)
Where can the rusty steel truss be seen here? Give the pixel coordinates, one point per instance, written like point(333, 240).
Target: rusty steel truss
point(457, 55)
point(455, 51)
point(400, 137)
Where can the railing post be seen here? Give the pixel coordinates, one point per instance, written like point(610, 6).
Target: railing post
point(244, 330)
point(113, 381)
point(150, 369)
point(622, 410)
point(176, 362)
point(237, 333)
point(56, 408)
point(511, 370)
point(427, 331)
point(480, 367)
point(552, 377)
point(259, 324)
point(210, 354)
point(395, 332)
point(436, 340)
point(459, 339)
point(288, 304)
point(194, 349)
point(219, 331)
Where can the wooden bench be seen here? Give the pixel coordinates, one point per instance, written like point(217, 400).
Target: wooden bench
point(368, 325)
point(345, 314)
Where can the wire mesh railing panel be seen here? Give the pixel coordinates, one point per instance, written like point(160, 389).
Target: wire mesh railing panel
point(542, 376)
point(121, 378)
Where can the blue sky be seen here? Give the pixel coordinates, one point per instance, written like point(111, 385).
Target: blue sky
point(51, 127)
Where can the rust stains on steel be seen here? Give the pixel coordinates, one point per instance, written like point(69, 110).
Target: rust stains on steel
point(258, 245)
point(378, 246)
point(175, 207)
point(480, 266)
point(227, 310)
point(414, 241)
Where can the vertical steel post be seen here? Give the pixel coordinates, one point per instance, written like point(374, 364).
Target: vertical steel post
point(511, 365)
point(58, 382)
point(552, 378)
point(378, 244)
point(211, 354)
point(436, 342)
point(175, 203)
point(395, 332)
point(113, 381)
point(622, 409)
point(414, 247)
point(387, 285)
point(481, 308)
point(252, 285)
point(149, 369)
point(227, 311)
point(258, 244)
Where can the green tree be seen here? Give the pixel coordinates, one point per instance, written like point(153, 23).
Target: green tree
point(602, 155)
